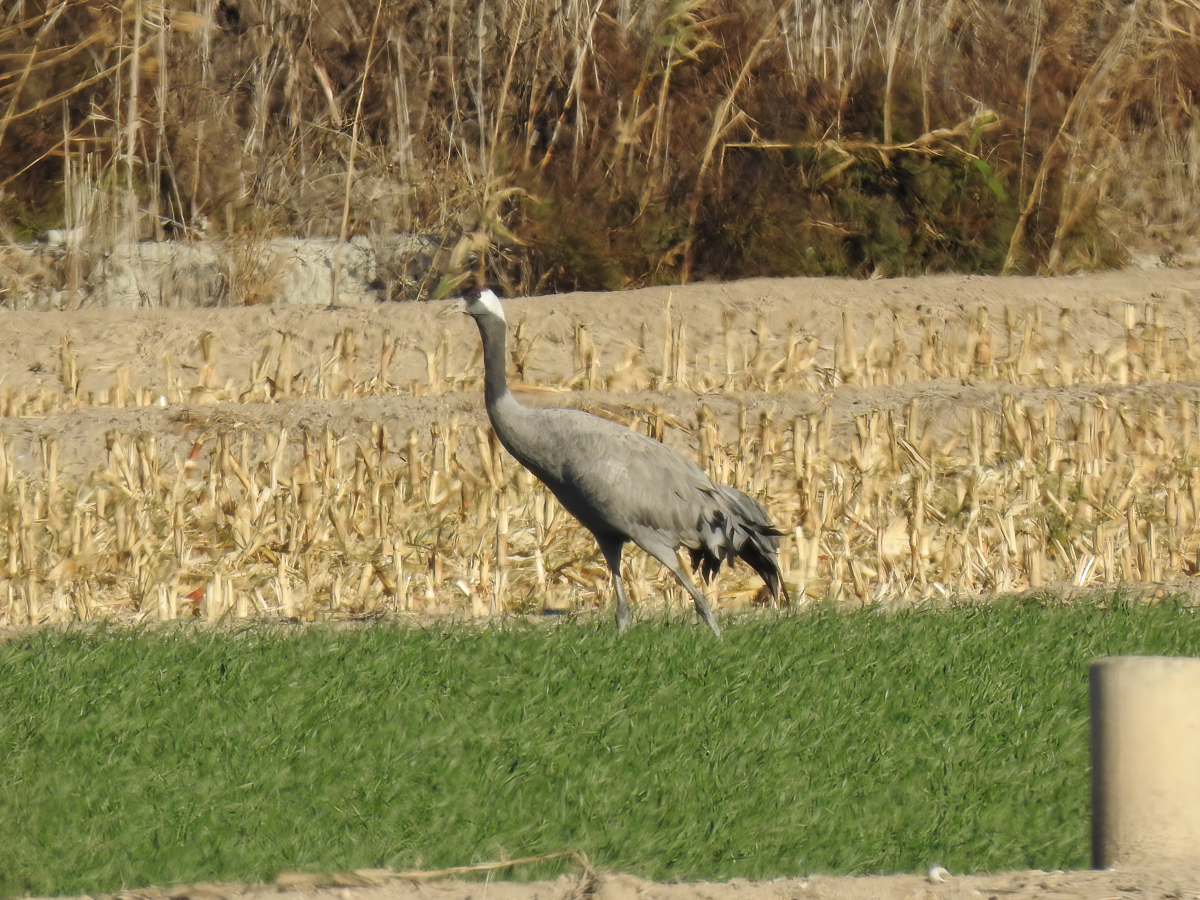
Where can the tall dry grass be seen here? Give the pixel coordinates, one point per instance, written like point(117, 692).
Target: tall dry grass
point(614, 143)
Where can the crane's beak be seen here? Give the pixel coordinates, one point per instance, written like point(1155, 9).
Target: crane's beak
point(453, 308)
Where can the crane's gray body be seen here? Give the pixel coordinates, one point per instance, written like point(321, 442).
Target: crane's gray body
point(624, 486)
point(621, 483)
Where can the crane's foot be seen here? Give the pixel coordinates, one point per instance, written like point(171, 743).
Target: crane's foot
point(710, 620)
point(623, 619)
point(705, 612)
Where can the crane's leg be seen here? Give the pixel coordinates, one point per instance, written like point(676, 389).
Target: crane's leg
point(671, 561)
point(612, 555)
point(702, 607)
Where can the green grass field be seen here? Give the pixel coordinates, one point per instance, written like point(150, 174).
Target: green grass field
point(819, 742)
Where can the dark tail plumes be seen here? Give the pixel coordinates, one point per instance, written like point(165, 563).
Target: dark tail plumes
point(738, 526)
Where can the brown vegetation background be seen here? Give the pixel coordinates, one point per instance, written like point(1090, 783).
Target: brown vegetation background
point(617, 143)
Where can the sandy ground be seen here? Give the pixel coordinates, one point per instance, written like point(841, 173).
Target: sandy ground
point(1168, 882)
point(160, 355)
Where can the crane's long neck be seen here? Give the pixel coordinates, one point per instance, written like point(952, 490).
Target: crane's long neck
point(495, 383)
point(524, 432)
point(515, 424)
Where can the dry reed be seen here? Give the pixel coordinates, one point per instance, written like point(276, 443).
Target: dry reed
point(147, 120)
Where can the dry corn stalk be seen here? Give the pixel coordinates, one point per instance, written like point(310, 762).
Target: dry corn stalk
point(1080, 492)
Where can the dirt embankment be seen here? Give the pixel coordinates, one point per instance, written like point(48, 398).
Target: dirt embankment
point(1063, 322)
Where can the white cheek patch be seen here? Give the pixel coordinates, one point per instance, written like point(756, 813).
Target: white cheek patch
point(491, 303)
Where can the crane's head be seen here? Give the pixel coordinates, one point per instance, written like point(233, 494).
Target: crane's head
point(478, 303)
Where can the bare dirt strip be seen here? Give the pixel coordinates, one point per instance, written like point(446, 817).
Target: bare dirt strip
point(1166, 882)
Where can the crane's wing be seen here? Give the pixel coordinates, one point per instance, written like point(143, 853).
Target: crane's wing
point(619, 483)
point(615, 479)
point(612, 479)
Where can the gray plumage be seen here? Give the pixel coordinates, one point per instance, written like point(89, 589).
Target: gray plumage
point(624, 486)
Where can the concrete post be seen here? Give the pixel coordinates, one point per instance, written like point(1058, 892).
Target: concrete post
point(1145, 760)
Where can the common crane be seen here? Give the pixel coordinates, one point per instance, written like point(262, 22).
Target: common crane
point(622, 485)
